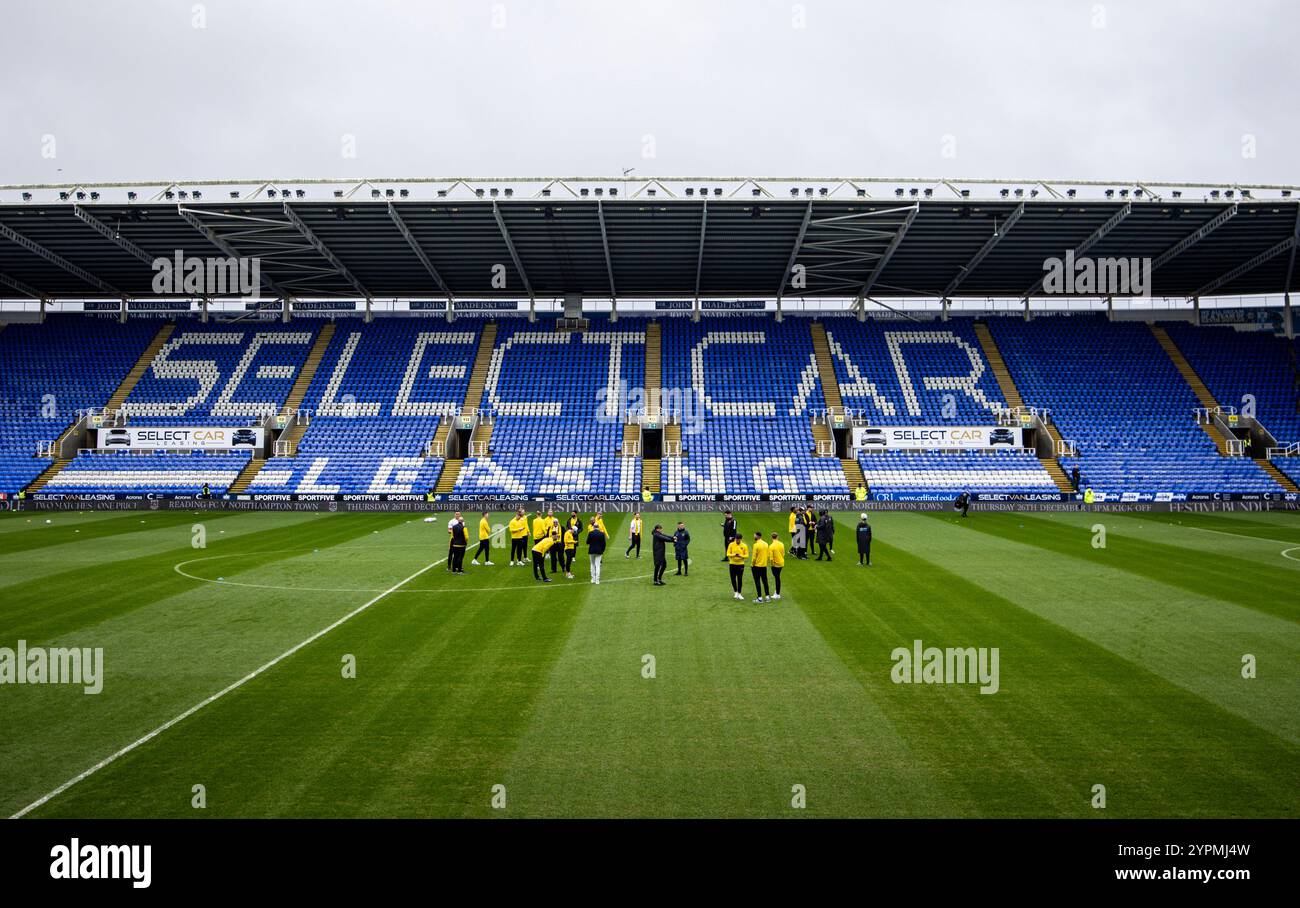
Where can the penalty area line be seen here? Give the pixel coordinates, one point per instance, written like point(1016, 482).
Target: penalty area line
point(218, 695)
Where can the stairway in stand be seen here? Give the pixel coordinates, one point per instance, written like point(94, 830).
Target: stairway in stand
point(473, 401)
point(831, 392)
point(115, 401)
point(1276, 475)
point(653, 382)
point(1194, 382)
point(1011, 395)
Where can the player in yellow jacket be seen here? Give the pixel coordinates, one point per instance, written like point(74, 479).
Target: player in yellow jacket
point(758, 567)
point(541, 526)
point(599, 518)
point(484, 540)
point(544, 545)
point(518, 538)
point(570, 550)
point(776, 560)
point(737, 555)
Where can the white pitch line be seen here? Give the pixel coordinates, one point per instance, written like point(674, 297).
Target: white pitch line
point(218, 695)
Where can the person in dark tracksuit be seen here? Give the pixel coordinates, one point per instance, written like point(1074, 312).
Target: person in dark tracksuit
point(728, 532)
point(864, 542)
point(660, 540)
point(681, 541)
point(962, 503)
point(595, 549)
point(825, 536)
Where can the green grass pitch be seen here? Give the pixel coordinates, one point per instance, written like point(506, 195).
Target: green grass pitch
point(1119, 666)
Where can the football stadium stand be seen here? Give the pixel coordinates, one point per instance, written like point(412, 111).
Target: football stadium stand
point(1114, 392)
point(407, 406)
point(49, 373)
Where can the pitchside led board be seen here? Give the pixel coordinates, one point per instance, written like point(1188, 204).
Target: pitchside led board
point(184, 438)
point(929, 438)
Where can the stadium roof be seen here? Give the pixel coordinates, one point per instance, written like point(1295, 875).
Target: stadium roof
point(681, 237)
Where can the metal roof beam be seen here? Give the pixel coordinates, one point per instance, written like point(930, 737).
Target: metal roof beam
point(419, 252)
point(55, 259)
point(888, 253)
point(514, 256)
point(1195, 237)
point(984, 250)
point(609, 263)
point(324, 250)
point(113, 236)
point(22, 288)
point(1096, 236)
point(1245, 267)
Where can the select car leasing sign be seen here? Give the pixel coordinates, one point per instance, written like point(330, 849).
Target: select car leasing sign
point(188, 438)
point(929, 438)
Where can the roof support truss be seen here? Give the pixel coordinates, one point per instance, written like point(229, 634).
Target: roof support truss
point(888, 254)
point(1290, 268)
point(514, 255)
point(998, 233)
point(794, 254)
point(420, 254)
point(55, 259)
point(699, 258)
point(324, 250)
point(1247, 266)
point(113, 236)
point(609, 263)
point(210, 234)
point(1095, 237)
point(24, 289)
point(1195, 237)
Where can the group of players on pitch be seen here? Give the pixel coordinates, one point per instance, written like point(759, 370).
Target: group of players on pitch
point(548, 536)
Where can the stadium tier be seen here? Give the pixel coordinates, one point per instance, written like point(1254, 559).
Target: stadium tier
point(49, 372)
point(748, 389)
point(404, 406)
point(1113, 391)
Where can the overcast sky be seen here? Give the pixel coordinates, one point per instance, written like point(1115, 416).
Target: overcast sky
point(245, 89)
